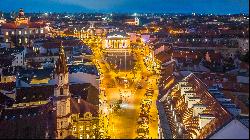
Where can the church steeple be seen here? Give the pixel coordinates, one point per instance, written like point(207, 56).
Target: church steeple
point(62, 96)
point(61, 75)
point(21, 13)
point(20, 18)
point(61, 65)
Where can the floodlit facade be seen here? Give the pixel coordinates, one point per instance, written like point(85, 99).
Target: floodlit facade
point(133, 21)
point(21, 31)
point(116, 40)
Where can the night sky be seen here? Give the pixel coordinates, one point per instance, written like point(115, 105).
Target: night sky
point(131, 6)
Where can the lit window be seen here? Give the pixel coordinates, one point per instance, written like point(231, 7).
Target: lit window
point(41, 31)
point(7, 40)
point(19, 32)
point(20, 40)
point(87, 128)
point(81, 137)
point(12, 32)
point(26, 40)
point(87, 136)
point(74, 128)
point(25, 32)
point(81, 127)
point(6, 33)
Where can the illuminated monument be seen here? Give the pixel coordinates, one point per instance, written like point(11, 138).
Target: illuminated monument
point(116, 40)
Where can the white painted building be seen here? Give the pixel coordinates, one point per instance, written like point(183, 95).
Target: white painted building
point(204, 119)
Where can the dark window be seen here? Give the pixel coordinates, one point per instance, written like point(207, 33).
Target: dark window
point(27, 131)
point(61, 91)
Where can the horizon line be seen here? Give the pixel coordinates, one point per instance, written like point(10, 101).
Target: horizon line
point(114, 12)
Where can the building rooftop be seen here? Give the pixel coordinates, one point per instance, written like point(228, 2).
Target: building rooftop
point(117, 34)
point(23, 26)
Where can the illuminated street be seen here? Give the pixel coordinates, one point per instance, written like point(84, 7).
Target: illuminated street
point(123, 87)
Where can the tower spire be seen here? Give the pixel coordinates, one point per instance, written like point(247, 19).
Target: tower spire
point(61, 65)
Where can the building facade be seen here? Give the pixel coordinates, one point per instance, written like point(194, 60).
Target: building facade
point(22, 31)
point(116, 40)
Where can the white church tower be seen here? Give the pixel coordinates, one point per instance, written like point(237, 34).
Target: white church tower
point(62, 96)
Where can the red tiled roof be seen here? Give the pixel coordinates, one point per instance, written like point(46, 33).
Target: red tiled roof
point(9, 26)
point(130, 20)
point(36, 25)
point(30, 25)
point(83, 107)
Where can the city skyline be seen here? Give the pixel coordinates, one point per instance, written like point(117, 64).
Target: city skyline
point(129, 6)
point(124, 69)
